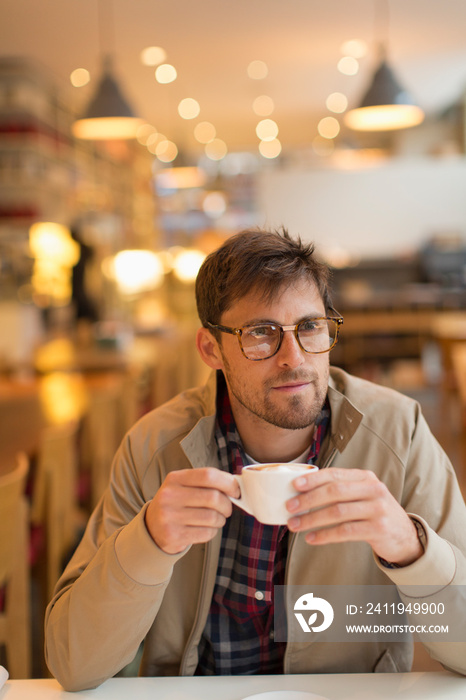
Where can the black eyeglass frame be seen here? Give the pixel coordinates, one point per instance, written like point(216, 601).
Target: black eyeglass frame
point(239, 332)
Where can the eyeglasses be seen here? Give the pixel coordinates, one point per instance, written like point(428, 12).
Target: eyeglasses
point(263, 340)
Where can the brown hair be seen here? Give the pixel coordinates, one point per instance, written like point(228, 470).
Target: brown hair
point(256, 259)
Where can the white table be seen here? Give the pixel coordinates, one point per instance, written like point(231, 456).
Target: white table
point(358, 686)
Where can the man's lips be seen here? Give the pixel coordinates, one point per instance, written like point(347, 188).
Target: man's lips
point(289, 382)
point(292, 386)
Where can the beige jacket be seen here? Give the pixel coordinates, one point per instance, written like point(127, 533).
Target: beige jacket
point(120, 588)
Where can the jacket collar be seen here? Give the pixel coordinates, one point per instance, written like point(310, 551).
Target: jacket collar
point(345, 416)
point(199, 444)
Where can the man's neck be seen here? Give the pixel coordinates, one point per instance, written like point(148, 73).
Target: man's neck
point(267, 443)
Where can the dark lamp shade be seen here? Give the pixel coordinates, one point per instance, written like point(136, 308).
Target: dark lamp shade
point(108, 115)
point(385, 106)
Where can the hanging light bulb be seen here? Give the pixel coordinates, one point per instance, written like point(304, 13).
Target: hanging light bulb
point(108, 115)
point(386, 105)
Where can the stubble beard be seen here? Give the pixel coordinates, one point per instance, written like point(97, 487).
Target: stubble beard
point(291, 413)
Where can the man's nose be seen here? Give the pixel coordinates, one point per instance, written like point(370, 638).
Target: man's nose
point(290, 353)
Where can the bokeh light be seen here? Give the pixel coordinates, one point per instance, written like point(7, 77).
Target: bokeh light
point(270, 149)
point(328, 127)
point(257, 70)
point(166, 151)
point(214, 204)
point(188, 108)
point(267, 130)
point(337, 102)
point(153, 55)
point(263, 106)
point(348, 65)
point(143, 133)
point(153, 140)
point(354, 47)
point(166, 73)
point(136, 271)
point(80, 77)
point(187, 263)
point(216, 149)
point(204, 132)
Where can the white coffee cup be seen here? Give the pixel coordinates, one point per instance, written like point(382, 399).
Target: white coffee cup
point(265, 488)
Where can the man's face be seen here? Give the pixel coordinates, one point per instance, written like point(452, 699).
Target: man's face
point(287, 390)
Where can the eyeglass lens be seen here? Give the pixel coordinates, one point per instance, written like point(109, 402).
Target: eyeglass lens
point(316, 335)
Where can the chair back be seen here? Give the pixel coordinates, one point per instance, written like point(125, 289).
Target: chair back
point(54, 497)
point(459, 369)
point(15, 617)
point(12, 486)
point(100, 439)
point(178, 366)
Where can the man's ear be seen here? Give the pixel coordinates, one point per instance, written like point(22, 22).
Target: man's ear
point(209, 348)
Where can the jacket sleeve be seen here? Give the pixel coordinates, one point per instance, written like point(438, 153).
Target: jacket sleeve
point(111, 591)
point(433, 497)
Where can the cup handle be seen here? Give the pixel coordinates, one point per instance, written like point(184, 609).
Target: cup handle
point(241, 501)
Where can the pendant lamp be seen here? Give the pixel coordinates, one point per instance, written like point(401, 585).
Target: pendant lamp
point(386, 105)
point(108, 115)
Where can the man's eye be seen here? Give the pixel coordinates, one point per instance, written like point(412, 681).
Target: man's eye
point(262, 331)
point(311, 325)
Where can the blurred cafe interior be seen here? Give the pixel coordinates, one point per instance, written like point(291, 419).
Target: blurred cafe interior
point(136, 137)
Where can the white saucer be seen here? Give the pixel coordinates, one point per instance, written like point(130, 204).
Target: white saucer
point(3, 676)
point(285, 695)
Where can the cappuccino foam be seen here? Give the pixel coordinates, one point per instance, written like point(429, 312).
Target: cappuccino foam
point(282, 468)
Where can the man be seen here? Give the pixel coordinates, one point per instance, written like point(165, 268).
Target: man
point(167, 560)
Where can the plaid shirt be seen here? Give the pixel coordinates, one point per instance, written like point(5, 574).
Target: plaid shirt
point(238, 636)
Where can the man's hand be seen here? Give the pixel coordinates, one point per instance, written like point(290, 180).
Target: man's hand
point(190, 506)
point(348, 505)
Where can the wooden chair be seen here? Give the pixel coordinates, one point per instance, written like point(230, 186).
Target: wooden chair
point(54, 506)
point(129, 409)
point(15, 615)
point(459, 371)
point(178, 366)
point(101, 436)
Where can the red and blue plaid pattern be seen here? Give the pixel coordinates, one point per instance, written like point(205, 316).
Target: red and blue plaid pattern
point(238, 636)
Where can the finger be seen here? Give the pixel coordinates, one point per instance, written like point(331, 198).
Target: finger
point(205, 477)
point(173, 529)
point(211, 478)
point(334, 515)
point(177, 499)
point(195, 517)
point(316, 479)
point(336, 490)
point(356, 531)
